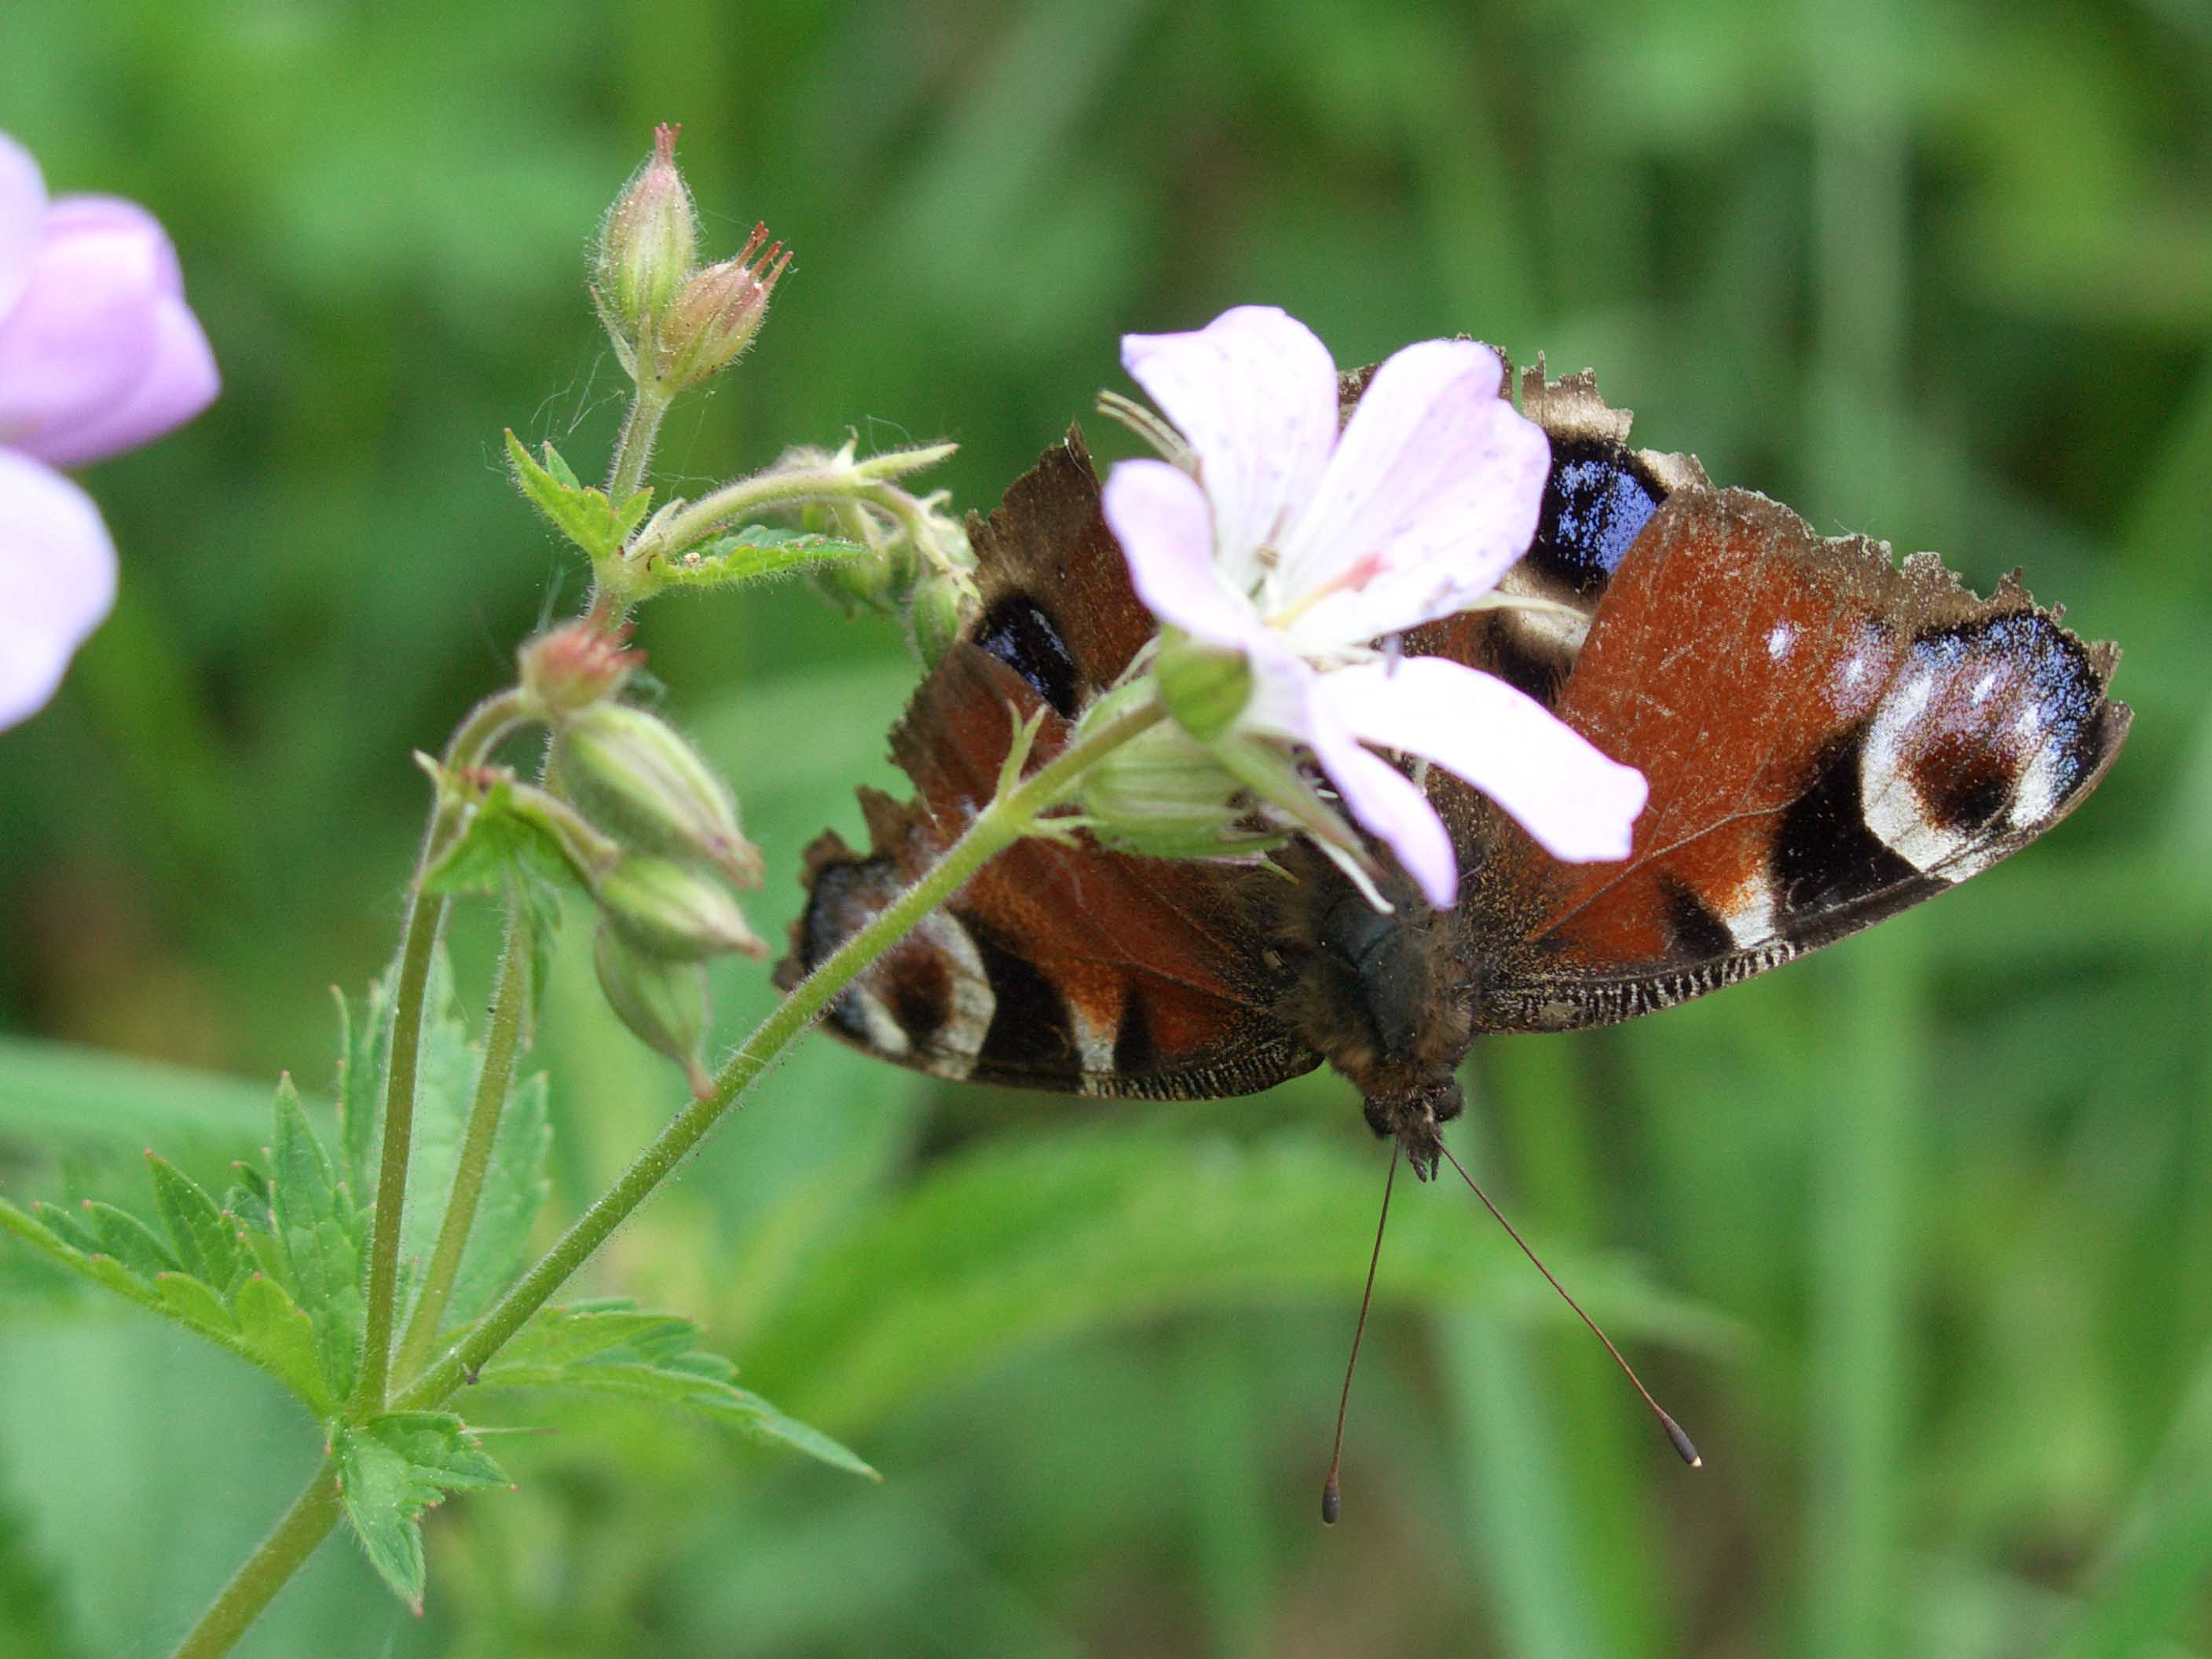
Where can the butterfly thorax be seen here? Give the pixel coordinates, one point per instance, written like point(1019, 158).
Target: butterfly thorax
point(1384, 997)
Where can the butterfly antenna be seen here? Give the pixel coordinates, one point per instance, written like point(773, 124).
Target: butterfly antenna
point(1331, 1500)
point(1682, 1442)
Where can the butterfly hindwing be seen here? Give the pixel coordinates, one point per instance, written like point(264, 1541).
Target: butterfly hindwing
point(1058, 967)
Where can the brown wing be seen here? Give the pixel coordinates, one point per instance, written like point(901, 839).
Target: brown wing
point(1058, 967)
point(1828, 739)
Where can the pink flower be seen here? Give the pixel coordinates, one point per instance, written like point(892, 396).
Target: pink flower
point(98, 354)
point(1301, 547)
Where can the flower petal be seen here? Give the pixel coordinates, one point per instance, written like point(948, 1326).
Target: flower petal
point(57, 580)
point(23, 218)
point(1389, 805)
point(1159, 515)
point(1579, 805)
point(178, 381)
point(1254, 392)
point(1432, 493)
point(82, 332)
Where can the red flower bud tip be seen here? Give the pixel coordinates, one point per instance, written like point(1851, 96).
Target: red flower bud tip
point(576, 665)
point(720, 311)
point(648, 248)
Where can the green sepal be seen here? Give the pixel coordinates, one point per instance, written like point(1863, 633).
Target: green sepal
point(581, 513)
point(391, 1468)
point(611, 1345)
point(504, 850)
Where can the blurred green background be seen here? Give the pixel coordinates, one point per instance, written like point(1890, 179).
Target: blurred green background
point(1916, 1238)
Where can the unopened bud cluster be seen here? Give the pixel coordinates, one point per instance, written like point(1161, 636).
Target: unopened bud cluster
point(656, 839)
point(674, 322)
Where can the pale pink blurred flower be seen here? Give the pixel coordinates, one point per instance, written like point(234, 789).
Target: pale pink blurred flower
point(1302, 547)
point(98, 354)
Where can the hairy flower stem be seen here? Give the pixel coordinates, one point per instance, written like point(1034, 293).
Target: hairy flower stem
point(998, 826)
point(255, 1584)
point(634, 448)
point(491, 721)
point(502, 1042)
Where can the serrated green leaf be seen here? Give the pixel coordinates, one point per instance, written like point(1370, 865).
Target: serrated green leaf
point(562, 473)
point(613, 1347)
point(32, 1227)
point(756, 553)
point(584, 515)
point(204, 1239)
point(320, 1231)
point(445, 1071)
point(515, 1188)
point(70, 1230)
point(129, 1240)
point(192, 1301)
point(393, 1467)
point(248, 1198)
point(262, 1325)
point(281, 1339)
point(362, 1038)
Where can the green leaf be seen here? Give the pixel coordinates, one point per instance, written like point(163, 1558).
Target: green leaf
point(321, 1229)
point(261, 1323)
point(612, 1346)
point(206, 1241)
point(281, 1339)
point(193, 1302)
point(129, 1240)
point(393, 1467)
point(584, 515)
point(515, 1188)
point(755, 553)
point(362, 1049)
point(445, 1089)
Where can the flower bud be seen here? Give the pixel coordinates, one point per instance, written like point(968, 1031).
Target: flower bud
point(665, 909)
point(635, 777)
point(646, 249)
point(717, 312)
point(664, 1003)
point(1162, 794)
point(879, 583)
point(1204, 686)
point(936, 610)
point(576, 665)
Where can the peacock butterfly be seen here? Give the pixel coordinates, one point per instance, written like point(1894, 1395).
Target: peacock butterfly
point(1827, 737)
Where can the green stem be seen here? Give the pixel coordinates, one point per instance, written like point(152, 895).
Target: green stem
point(503, 1042)
point(1008, 818)
point(634, 448)
point(1004, 821)
point(255, 1584)
point(491, 721)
